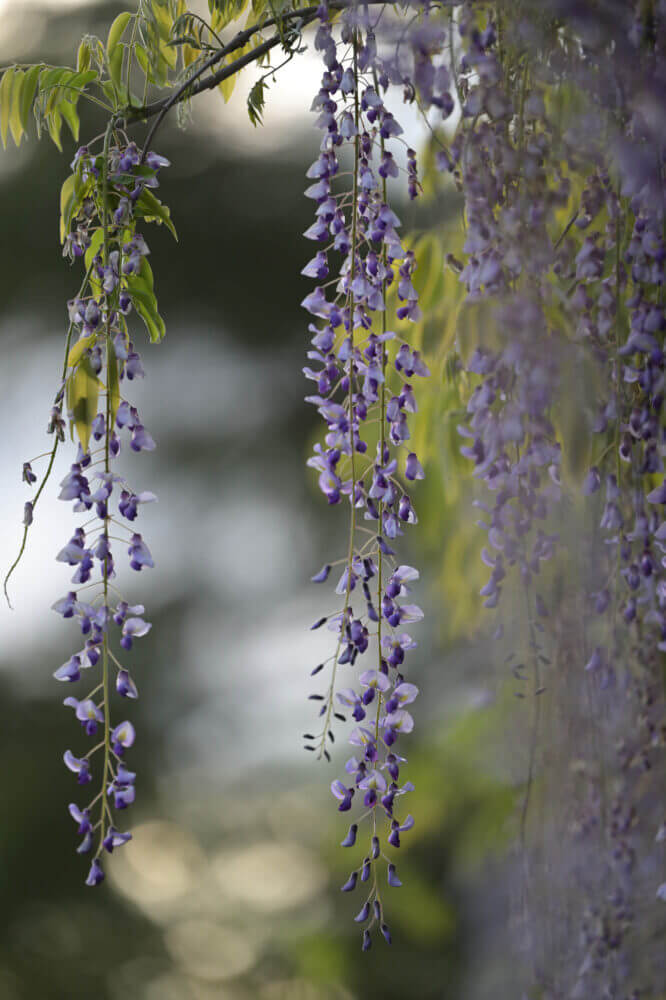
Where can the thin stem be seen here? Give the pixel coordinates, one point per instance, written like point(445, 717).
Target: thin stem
point(195, 85)
point(352, 498)
point(105, 811)
point(44, 481)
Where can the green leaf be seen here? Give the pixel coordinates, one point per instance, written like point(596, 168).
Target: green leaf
point(15, 112)
point(83, 55)
point(68, 199)
point(95, 245)
point(6, 103)
point(79, 349)
point(116, 31)
point(84, 394)
point(143, 61)
point(145, 304)
point(116, 66)
point(30, 82)
point(152, 210)
point(49, 85)
point(429, 270)
point(113, 383)
point(69, 113)
point(256, 101)
point(146, 274)
point(54, 126)
point(80, 81)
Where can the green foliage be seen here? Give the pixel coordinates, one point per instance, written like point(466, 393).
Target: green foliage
point(50, 92)
point(256, 101)
point(152, 209)
point(140, 287)
point(113, 387)
point(82, 396)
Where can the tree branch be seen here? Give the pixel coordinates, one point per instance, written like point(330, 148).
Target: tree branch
point(195, 85)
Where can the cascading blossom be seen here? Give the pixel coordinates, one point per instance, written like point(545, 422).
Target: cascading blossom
point(559, 158)
point(104, 349)
point(356, 388)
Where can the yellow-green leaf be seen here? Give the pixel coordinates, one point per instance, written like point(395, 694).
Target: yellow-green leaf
point(67, 199)
point(152, 210)
point(54, 127)
point(15, 113)
point(6, 103)
point(79, 81)
point(69, 113)
point(146, 306)
point(142, 59)
point(79, 349)
point(116, 32)
point(30, 81)
point(50, 85)
point(116, 65)
point(113, 383)
point(95, 244)
point(84, 396)
point(227, 87)
point(84, 55)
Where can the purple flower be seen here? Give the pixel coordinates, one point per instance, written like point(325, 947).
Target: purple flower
point(413, 468)
point(125, 686)
point(114, 838)
point(65, 606)
point(87, 712)
point(122, 737)
point(70, 671)
point(139, 553)
point(81, 817)
point(344, 794)
point(80, 767)
point(96, 873)
point(393, 879)
point(133, 628)
point(141, 439)
point(28, 476)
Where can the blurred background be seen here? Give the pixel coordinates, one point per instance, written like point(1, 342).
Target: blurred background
point(230, 888)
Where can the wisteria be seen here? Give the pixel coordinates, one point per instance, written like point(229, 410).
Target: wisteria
point(364, 377)
point(544, 125)
point(102, 360)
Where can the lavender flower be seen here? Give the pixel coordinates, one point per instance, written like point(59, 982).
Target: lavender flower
point(100, 318)
point(361, 375)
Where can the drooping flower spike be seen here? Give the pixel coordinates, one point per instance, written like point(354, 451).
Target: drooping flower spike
point(117, 264)
point(359, 383)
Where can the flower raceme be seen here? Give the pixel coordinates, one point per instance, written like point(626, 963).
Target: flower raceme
point(364, 376)
point(115, 252)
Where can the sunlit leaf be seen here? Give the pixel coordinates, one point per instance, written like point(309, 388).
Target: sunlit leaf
point(68, 199)
point(113, 384)
point(116, 66)
point(152, 210)
point(54, 126)
point(68, 112)
point(28, 91)
point(79, 349)
point(6, 85)
point(116, 32)
point(15, 114)
point(145, 304)
point(84, 395)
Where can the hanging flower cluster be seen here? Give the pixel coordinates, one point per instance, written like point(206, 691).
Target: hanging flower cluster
point(364, 395)
point(559, 158)
point(104, 358)
point(600, 276)
point(499, 157)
